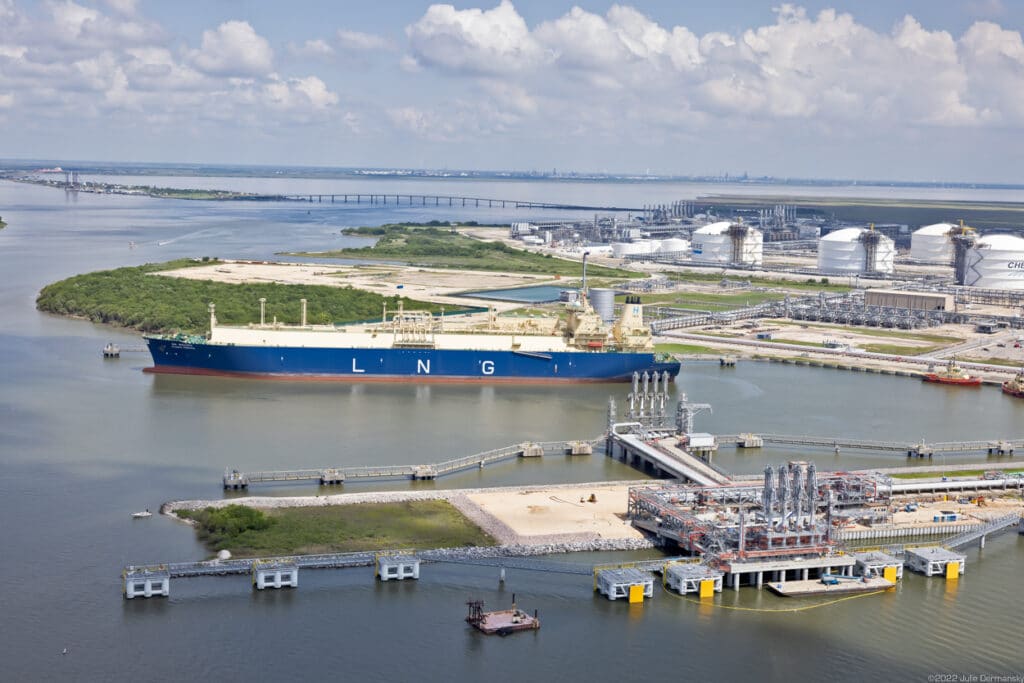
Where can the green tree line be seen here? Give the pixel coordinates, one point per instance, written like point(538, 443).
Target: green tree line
point(134, 297)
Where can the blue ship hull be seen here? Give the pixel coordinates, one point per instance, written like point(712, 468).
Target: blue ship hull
point(401, 364)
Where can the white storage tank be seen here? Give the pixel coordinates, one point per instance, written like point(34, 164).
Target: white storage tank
point(726, 242)
point(674, 245)
point(933, 243)
point(624, 249)
point(849, 250)
point(603, 301)
point(996, 262)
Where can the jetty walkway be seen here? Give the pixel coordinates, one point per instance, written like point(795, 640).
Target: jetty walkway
point(920, 449)
point(236, 479)
point(494, 556)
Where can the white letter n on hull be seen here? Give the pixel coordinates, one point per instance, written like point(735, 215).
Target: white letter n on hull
point(422, 368)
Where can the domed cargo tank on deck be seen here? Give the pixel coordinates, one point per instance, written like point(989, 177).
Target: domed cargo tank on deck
point(603, 303)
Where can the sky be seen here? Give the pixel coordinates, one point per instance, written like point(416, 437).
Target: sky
point(910, 90)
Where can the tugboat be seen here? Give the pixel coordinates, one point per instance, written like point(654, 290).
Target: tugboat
point(952, 374)
point(1015, 387)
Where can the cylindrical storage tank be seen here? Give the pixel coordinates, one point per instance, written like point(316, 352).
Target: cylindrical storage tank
point(932, 243)
point(996, 262)
point(712, 243)
point(885, 256)
point(624, 249)
point(603, 301)
point(726, 242)
point(752, 249)
point(674, 245)
point(845, 251)
point(599, 249)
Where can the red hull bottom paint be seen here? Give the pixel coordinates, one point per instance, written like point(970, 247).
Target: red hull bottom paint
point(389, 379)
point(962, 382)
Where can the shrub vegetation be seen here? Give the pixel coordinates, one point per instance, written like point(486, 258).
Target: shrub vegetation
point(134, 297)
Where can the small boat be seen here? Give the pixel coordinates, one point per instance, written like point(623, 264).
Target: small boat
point(1015, 387)
point(952, 374)
point(142, 515)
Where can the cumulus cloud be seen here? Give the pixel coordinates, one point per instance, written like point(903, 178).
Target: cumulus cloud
point(234, 49)
point(125, 7)
point(303, 93)
point(354, 40)
point(828, 67)
point(77, 61)
point(314, 49)
point(474, 40)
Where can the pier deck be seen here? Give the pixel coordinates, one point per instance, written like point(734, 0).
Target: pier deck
point(663, 455)
point(236, 479)
point(921, 449)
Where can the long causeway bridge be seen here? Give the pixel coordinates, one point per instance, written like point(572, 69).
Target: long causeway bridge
point(393, 199)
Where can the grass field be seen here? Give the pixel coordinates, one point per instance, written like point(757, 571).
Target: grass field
point(936, 475)
point(874, 332)
point(343, 528)
point(1007, 362)
point(684, 349)
point(708, 301)
point(810, 284)
point(901, 349)
point(798, 342)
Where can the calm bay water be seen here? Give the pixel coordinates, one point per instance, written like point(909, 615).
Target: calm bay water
point(85, 442)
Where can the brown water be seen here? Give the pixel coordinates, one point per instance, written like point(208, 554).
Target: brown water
point(85, 442)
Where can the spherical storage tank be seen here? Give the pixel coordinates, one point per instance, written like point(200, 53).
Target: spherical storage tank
point(847, 251)
point(726, 242)
point(603, 301)
point(932, 243)
point(996, 262)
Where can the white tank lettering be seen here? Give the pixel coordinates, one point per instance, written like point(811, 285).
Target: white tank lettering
point(422, 368)
point(354, 368)
point(487, 367)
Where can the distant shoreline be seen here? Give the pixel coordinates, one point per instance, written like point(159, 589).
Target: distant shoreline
point(327, 172)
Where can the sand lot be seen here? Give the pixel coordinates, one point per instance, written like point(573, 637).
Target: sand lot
point(558, 510)
point(425, 284)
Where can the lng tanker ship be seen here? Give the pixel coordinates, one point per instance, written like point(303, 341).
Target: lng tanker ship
point(416, 346)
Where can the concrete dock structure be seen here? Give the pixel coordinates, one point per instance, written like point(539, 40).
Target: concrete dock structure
point(877, 563)
point(936, 560)
point(626, 582)
point(693, 577)
point(275, 573)
point(146, 582)
point(396, 566)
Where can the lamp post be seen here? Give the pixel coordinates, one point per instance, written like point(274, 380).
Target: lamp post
point(584, 286)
